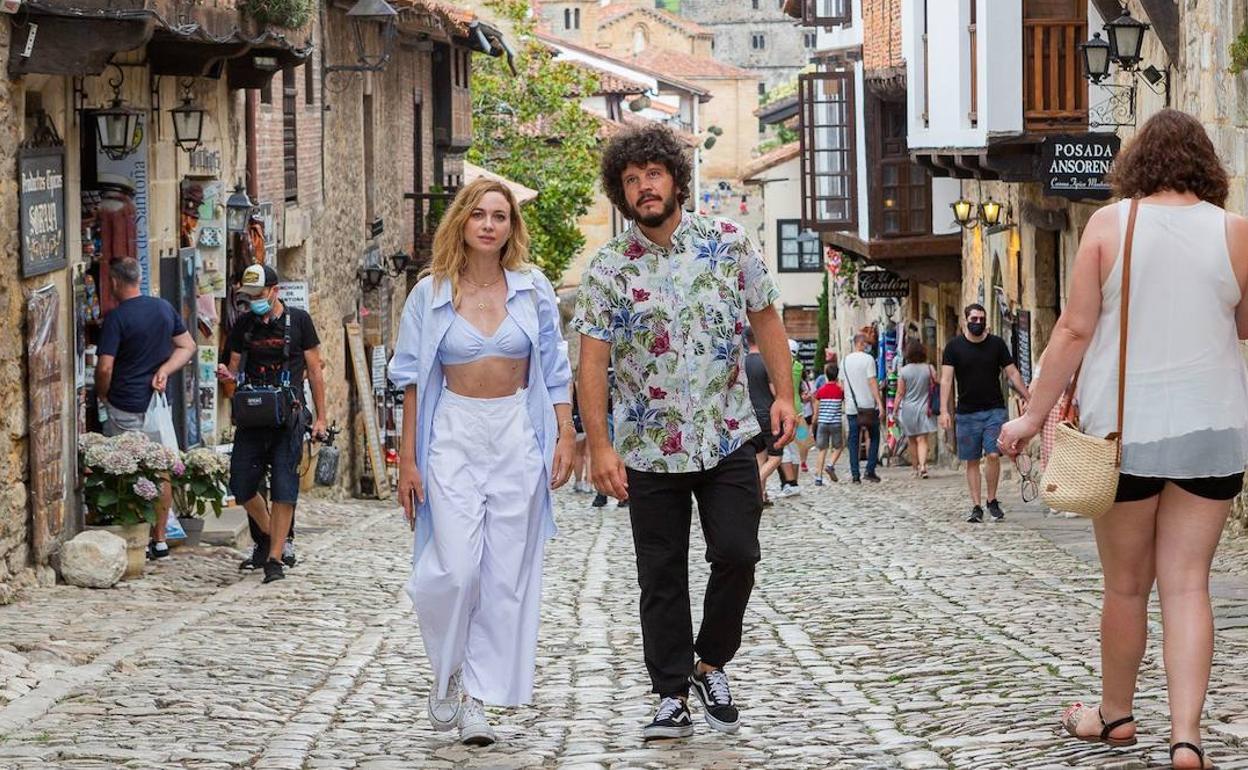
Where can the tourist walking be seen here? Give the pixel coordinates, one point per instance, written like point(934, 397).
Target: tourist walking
point(273, 346)
point(767, 452)
point(1182, 261)
point(914, 403)
point(481, 356)
point(142, 342)
point(667, 302)
point(864, 408)
point(829, 433)
point(976, 360)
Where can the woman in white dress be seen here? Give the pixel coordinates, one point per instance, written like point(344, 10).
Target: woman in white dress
point(1185, 424)
point(487, 434)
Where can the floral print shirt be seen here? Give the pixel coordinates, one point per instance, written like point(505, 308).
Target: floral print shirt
point(675, 319)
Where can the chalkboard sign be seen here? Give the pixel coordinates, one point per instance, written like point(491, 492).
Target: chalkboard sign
point(41, 209)
point(1022, 344)
point(881, 284)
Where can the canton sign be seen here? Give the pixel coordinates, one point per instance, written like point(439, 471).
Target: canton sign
point(1076, 166)
point(880, 284)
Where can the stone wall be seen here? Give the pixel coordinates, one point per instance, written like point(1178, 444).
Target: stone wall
point(14, 532)
point(733, 24)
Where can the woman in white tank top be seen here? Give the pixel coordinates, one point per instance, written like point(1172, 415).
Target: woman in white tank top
point(1185, 422)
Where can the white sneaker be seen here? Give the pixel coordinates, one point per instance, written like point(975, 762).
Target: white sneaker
point(474, 729)
point(791, 491)
point(445, 712)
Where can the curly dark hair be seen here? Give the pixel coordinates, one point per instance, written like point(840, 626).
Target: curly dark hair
point(1171, 151)
point(641, 145)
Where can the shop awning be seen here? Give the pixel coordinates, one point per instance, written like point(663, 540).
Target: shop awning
point(81, 40)
point(523, 194)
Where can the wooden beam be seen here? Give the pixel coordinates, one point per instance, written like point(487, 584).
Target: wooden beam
point(1108, 9)
point(1164, 16)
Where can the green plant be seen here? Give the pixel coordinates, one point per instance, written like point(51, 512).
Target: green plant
point(531, 128)
point(821, 336)
point(199, 482)
point(290, 14)
point(1239, 52)
point(123, 476)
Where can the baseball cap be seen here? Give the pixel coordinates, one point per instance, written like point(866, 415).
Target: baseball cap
point(257, 278)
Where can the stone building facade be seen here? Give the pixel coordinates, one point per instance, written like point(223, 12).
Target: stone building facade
point(756, 35)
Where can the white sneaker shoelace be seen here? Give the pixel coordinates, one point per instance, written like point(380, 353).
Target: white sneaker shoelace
point(717, 683)
point(668, 708)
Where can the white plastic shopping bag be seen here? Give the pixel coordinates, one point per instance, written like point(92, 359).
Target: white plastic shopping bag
point(158, 421)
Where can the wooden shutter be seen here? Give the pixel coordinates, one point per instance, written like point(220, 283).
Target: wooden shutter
point(290, 136)
point(828, 150)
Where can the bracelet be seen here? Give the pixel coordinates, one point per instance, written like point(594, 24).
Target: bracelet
point(569, 423)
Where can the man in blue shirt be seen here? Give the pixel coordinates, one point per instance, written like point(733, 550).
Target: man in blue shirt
point(142, 342)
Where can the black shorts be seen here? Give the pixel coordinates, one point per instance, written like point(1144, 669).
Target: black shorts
point(765, 441)
point(1134, 488)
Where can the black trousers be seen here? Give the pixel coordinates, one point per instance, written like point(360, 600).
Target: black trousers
point(661, 507)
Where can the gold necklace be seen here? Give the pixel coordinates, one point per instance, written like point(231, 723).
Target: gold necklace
point(480, 285)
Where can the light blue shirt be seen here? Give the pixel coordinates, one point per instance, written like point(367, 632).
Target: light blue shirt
point(427, 315)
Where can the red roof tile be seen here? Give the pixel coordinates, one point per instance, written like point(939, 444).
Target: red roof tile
point(774, 158)
point(688, 65)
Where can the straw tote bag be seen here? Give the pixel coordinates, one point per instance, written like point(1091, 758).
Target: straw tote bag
point(1082, 474)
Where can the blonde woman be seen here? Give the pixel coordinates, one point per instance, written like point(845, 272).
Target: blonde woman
point(484, 365)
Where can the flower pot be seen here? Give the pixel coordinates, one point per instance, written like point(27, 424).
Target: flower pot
point(136, 537)
point(194, 528)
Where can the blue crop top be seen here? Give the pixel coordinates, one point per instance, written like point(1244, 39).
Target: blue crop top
point(464, 344)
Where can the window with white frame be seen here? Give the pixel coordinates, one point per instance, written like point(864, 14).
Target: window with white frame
point(793, 255)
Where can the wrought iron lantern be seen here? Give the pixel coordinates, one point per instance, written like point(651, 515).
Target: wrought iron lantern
point(188, 121)
point(990, 212)
point(237, 210)
point(963, 213)
point(117, 126)
point(1096, 54)
point(362, 16)
point(1126, 39)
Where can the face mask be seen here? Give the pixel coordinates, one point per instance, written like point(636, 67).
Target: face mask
point(976, 328)
point(261, 306)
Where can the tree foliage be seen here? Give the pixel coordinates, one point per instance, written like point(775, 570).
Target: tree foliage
point(822, 335)
point(530, 128)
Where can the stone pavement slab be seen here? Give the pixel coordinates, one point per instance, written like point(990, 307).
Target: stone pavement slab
point(883, 633)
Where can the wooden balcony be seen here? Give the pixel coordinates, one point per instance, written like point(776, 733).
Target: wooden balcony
point(1055, 93)
point(427, 211)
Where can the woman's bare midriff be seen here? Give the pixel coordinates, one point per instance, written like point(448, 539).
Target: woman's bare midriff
point(489, 377)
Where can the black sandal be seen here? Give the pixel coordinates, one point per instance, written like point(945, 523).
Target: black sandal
point(1070, 721)
point(1198, 751)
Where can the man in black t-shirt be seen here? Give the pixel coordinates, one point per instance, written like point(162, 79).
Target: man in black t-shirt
point(270, 361)
point(977, 359)
point(762, 395)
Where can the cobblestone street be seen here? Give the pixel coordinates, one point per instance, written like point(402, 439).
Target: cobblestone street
point(884, 633)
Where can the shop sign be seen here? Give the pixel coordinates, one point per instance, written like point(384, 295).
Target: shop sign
point(1077, 166)
point(1022, 344)
point(205, 162)
point(131, 174)
point(41, 173)
point(47, 469)
point(293, 294)
point(881, 284)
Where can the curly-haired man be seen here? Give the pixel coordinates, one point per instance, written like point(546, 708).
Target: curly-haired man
point(667, 302)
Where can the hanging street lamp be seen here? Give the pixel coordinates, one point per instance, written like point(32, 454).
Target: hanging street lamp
point(963, 211)
point(117, 126)
point(362, 16)
point(188, 121)
point(1126, 39)
point(990, 212)
point(1095, 58)
point(237, 210)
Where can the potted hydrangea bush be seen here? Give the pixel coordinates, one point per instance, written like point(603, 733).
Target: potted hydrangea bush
point(199, 484)
point(121, 486)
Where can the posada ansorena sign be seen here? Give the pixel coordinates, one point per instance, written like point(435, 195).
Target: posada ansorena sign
point(1077, 166)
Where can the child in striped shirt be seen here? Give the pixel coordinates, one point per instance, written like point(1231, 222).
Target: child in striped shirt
point(830, 408)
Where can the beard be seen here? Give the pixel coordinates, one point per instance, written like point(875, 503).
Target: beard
point(654, 220)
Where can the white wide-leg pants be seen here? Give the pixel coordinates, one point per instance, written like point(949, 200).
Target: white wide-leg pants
point(476, 587)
